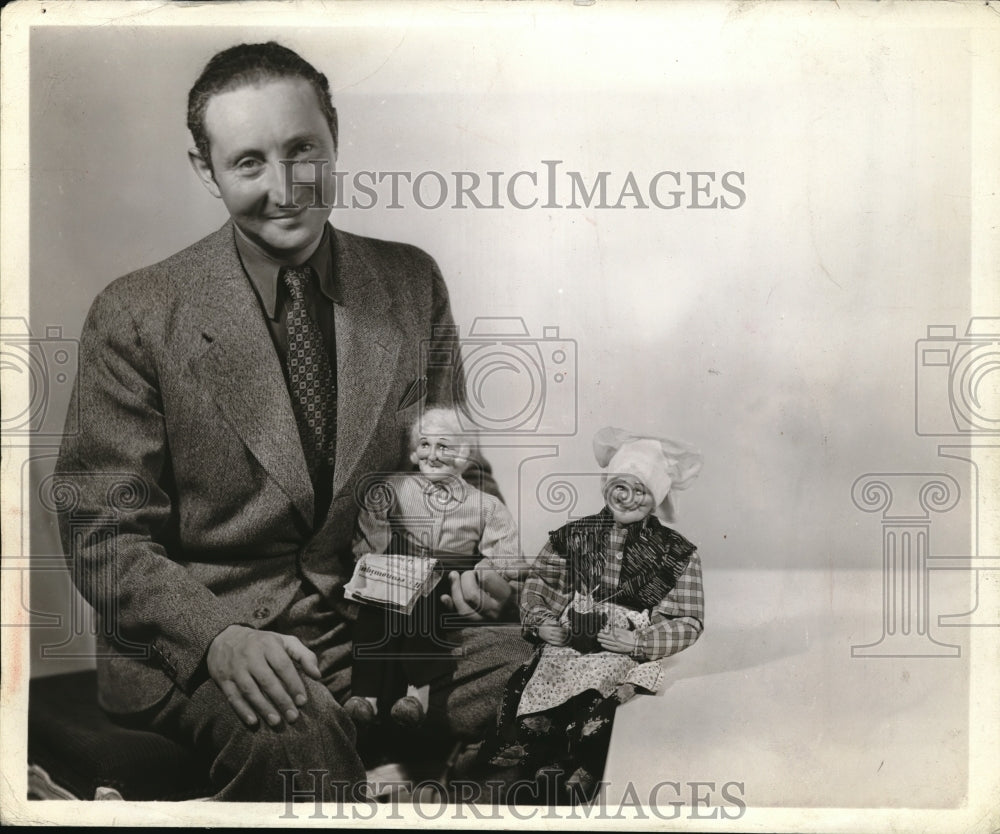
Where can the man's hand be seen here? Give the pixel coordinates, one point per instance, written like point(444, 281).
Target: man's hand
point(556, 635)
point(619, 640)
point(478, 594)
point(257, 672)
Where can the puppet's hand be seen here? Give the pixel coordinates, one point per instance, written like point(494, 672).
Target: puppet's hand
point(556, 635)
point(618, 640)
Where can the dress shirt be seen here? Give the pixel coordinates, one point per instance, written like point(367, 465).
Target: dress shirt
point(264, 273)
point(446, 517)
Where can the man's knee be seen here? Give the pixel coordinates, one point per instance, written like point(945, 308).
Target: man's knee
point(495, 649)
point(488, 656)
point(321, 741)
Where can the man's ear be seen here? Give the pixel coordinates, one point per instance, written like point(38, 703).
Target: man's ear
point(204, 172)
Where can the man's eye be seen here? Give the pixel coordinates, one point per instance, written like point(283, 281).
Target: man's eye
point(248, 164)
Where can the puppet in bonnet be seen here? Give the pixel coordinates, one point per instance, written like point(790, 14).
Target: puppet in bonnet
point(608, 596)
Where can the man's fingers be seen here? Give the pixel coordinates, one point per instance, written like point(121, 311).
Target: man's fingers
point(496, 588)
point(484, 593)
point(472, 591)
point(287, 690)
point(273, 685)
point(242, 709)
point(262, 706)
point(306, 658)
point(458, 597)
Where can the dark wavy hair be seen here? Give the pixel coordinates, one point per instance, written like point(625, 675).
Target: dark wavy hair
point(248, 64)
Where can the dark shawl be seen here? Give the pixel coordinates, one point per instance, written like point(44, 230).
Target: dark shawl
point(655, 556)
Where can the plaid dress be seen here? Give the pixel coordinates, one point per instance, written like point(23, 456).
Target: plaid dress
point(558, 710)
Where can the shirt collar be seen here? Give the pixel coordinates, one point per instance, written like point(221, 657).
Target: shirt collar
point(264, 270)
point(443, 491)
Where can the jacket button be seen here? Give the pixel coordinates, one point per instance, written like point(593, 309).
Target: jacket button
point(261, 613)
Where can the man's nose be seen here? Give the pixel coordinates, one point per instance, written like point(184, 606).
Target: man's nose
point(274, 184)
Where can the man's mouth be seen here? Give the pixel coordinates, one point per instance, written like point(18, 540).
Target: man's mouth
point(286, 215)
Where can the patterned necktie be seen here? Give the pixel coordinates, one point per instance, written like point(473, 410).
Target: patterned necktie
point(310, 376)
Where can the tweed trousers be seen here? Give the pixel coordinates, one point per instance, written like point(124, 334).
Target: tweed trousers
point(262, 763)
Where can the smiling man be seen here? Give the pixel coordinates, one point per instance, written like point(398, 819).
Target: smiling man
point(236, 393)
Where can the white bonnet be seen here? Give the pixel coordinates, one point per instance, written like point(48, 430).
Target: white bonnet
point(661, 464)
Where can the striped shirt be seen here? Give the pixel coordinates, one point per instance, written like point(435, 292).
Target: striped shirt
point(676, 620)
point(447, 517)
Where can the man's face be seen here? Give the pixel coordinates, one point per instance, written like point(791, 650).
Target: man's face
point(440, 455)
point(251, 131)
point(628, 499)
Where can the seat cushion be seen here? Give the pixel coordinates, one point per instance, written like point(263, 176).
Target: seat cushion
point(82, 749)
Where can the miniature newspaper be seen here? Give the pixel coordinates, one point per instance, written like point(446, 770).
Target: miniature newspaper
point(392, 580)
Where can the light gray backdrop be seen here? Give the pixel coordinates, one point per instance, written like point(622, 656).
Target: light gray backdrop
point(778, 337)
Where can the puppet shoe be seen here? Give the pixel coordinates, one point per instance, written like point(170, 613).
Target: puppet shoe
point(625, 692)
point(361, 712)
point(580, 786)
point(549, 780)
point(408, 712)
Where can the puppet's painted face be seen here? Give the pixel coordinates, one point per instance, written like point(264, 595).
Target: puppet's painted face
point(628, 499)
point(440, 455)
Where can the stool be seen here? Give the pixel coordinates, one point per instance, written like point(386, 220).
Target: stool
point(76, 752)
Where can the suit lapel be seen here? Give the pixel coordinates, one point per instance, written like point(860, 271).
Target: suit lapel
point(368, 344)
point(239, 367)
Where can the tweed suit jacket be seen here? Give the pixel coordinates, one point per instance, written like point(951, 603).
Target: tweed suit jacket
point(184, 500)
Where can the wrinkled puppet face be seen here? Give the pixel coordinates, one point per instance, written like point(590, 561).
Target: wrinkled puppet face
point(440, 455)
point(628, 499)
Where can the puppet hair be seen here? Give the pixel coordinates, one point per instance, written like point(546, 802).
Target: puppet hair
point(442, 420)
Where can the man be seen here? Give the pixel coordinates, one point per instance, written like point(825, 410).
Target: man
point(231, 398)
